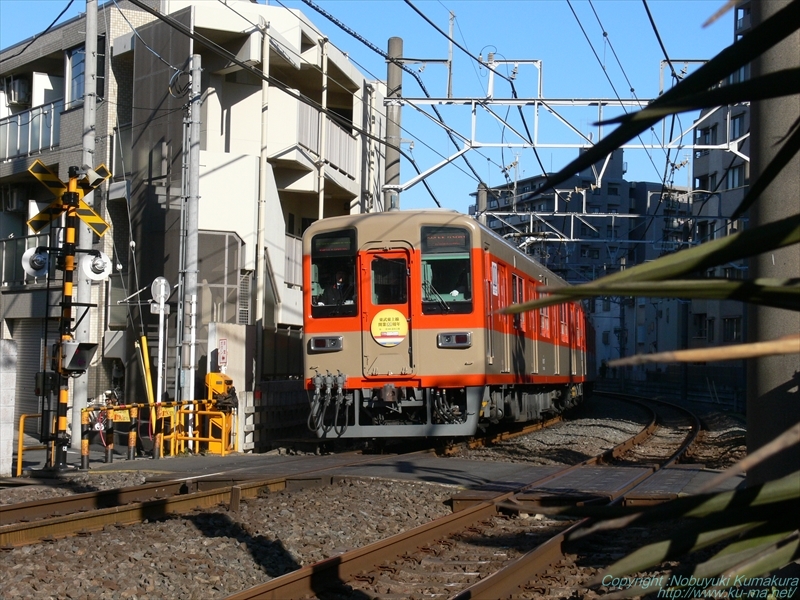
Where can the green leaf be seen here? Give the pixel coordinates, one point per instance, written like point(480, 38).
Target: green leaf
point(762, 37)
point(754, 543)
point(778, 293)
point(771, 493)
point(770, 172)
point(772, 85)
point(783, 554)
point(745, 244)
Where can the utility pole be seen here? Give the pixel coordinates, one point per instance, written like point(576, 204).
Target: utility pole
point(192, 217)
point(394, 80)
point(263, 172)
point(772, 405)
point(450, 57)
point(323, 130)
point(84, 284)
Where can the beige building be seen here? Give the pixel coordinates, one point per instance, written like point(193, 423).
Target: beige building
point(317, 120)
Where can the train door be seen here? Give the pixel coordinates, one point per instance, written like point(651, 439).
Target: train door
point(574, 338)
point(533, 317)
point(505, 320)
point(386, 313)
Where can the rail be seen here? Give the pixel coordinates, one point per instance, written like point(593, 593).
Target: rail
point(311, 579)
point(32, 521)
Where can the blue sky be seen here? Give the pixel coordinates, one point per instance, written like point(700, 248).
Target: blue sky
point(553, 31)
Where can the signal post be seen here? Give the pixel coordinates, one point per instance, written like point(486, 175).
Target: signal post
point(69, 358)
point(71, 200)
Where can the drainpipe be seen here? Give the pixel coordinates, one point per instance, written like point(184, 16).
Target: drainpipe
point(260, 262)
point(323, 128)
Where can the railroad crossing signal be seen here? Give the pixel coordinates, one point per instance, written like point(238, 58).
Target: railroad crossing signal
point(50, 180)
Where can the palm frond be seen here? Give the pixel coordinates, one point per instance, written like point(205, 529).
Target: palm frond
point(789, 344)
point(761, 38)
point(777, 293)
point(738, 246)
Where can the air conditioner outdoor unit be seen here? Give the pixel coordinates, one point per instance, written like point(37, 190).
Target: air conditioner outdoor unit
point(18, 91)
point(14, 198)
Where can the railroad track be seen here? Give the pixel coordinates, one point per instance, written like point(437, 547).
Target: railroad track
point(479, 549)
point(20, 523)
point(470, 527)
point(78, 514)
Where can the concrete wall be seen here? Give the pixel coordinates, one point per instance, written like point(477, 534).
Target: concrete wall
point(8, 384)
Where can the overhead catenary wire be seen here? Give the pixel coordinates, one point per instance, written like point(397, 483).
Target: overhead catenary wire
point(386, 57)
point(672, 121)
point(496, 72)
point(608, 77)
point(38, 35)
point(318, 69)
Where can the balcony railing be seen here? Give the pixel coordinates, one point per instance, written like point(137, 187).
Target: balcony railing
point(341, 148)
point(294, 261)
point(31, 131)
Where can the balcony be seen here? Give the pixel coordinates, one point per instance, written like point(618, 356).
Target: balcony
point(295, 141)
point(31, 131)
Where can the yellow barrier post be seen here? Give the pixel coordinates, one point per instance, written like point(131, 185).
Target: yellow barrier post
point(85, 432)
point(21, 441)
point(134, 411)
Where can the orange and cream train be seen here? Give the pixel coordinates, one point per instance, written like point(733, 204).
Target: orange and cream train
point(402, 335)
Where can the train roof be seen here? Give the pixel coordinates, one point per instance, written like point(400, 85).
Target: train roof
point(393, 222)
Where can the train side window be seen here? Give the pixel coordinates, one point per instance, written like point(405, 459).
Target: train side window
point(333, 286)
point(562, 309)
point(544, 317)
point(446, 270)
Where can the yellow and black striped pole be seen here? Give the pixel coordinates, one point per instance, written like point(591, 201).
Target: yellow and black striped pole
point(71, 200)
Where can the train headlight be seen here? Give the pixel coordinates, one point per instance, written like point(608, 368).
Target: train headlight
point(456, 339)
point(325, 344)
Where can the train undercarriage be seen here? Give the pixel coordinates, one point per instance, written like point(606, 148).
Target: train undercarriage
point(392, 411)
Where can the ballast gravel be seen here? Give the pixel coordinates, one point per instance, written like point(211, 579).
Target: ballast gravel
point(214, 553)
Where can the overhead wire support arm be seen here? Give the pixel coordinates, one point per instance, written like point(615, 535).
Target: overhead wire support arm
point(430, 171)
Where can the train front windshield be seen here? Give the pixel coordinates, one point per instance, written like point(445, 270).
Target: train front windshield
point(334, 286)
point(446, 270)
point(446, 274)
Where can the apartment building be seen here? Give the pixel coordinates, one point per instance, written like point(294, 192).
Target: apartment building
point(583, 231)
point(270, 164)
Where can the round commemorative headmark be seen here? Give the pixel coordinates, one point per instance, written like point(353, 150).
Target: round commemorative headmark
point(389, 327)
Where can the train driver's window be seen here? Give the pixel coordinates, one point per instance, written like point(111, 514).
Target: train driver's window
point(333, 285)
point(446, 270)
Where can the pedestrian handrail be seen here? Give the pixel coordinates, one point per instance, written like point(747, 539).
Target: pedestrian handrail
point(21, 447)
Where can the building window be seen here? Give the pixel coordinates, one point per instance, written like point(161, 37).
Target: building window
point(705, 231)
point(732, 329)
point(738, 76)
point(734, 177)
point(710, 330)
point(613, 190)
point(606, 337)
point(737, 126)
point(594, 253)
point(76, 74)
point(606, 305)
point(699, 322)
